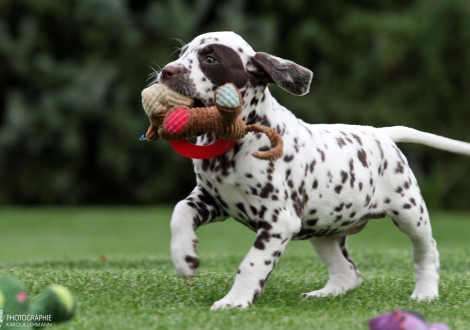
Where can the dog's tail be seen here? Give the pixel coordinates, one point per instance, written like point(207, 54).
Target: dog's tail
point(406, 134)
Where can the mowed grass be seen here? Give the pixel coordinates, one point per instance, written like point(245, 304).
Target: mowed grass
point(117, 263)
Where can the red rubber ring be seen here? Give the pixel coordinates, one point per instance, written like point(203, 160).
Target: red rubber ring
point(189, 150)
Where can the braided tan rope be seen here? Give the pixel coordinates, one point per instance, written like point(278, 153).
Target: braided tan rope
point(274, 137)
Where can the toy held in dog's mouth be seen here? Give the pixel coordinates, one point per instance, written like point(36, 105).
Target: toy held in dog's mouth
point(173, 119)
point(189, 150)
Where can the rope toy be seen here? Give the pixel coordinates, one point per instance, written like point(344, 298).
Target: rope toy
point(173, 119)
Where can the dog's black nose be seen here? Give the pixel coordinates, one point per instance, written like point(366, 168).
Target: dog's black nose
point(168, 73)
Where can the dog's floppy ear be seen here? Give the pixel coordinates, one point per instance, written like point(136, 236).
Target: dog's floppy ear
point(283, 73)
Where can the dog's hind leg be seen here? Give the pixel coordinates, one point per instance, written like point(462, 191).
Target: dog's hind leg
point(412, 218)
point(343, 274)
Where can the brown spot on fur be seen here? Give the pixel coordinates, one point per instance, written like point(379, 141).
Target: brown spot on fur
point(312, 222)
point(288, 158)
point(315, 184)
point(193, 262)
point(362, 156)
point(344, 176)
point(339, 208)
point(322, 153)
point(341, 142)
point(400, 168)
point(358, 139)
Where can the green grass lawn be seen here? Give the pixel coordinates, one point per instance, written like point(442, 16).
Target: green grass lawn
point(117, 263)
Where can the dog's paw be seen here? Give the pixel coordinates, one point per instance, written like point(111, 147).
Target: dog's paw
point(184, 257)
point(222, 305)
point(426, 296)
point(337, 285)
point(427, 287)
point(186, 265)
point(231, 302)
point(325, 292)
point(227, 97)
point(333, 289)
point(183, 251)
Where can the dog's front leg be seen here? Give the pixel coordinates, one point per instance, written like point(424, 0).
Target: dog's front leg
point(271, 242)
point(197, 209)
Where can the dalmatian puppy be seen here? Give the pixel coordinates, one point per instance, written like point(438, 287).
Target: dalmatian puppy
point(331, 180)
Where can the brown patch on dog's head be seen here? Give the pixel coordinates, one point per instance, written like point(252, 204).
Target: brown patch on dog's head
point(221, 65)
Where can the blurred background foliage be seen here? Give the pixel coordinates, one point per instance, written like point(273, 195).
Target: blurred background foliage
point(72, 71)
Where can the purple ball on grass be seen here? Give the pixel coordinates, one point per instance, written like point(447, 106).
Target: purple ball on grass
point(403, 320)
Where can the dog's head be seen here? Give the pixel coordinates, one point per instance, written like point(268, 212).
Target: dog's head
point(216, 58)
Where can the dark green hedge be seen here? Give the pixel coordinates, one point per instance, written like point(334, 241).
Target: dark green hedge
point(72, 71)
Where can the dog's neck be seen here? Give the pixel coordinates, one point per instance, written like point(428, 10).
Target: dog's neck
point(259, 105)
point(255, 103)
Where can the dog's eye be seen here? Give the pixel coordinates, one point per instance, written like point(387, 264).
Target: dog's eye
point(210, 60)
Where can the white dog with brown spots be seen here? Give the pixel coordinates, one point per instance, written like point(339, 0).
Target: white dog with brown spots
point(331, 180)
